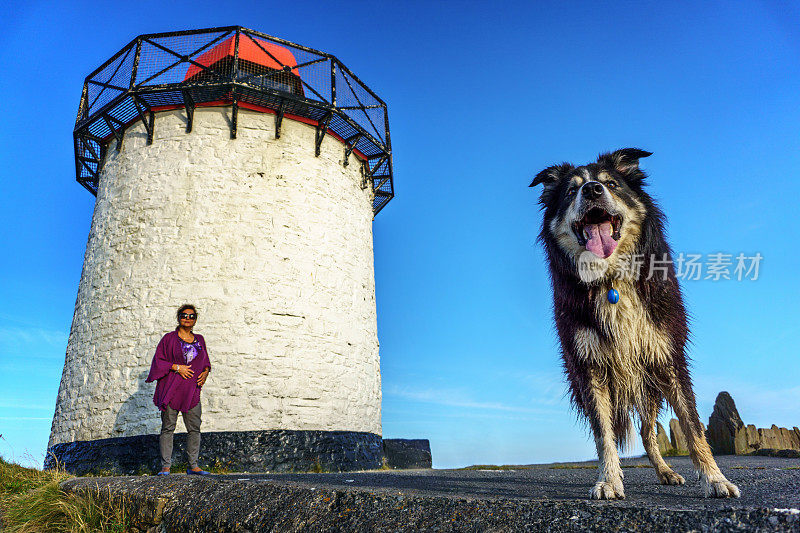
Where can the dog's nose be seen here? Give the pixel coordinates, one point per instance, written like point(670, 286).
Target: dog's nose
point(593, 190)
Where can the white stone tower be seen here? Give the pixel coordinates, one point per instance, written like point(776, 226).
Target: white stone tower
point(240, 173)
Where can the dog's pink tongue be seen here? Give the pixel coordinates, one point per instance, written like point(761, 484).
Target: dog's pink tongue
point(600, 242)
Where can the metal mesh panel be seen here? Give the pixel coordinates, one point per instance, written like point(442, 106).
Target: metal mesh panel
point(228, 66)
point(110, 82)
point(161, 60)
point(99, 129)
point(360, 105)
point(382, 168)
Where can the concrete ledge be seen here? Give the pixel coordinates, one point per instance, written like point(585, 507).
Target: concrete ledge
point(371, 501)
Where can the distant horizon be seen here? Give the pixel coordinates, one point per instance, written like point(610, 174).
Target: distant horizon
point(480, 99)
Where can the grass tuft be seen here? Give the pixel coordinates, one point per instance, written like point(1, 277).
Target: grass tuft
point(220, 467)
point(32, 500)
point(673, 452)
point(568, 466)
point(316, 468)
point(572, 467)
point(492, 467)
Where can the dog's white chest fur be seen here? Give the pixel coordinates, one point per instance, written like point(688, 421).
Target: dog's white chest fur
point(634, 345)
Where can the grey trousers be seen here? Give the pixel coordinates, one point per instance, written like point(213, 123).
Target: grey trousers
point(192, 421)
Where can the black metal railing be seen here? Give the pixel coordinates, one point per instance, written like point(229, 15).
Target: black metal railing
point(238, 67)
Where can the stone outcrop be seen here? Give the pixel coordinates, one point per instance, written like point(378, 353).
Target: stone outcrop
point(749, 439)
point(678, 445)
point(727, 434)
point(723, 425)
point(746, 440)
point(676, 437)
point(661, 438)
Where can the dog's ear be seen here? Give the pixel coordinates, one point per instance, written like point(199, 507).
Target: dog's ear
point(625, 160)
point(550, 175)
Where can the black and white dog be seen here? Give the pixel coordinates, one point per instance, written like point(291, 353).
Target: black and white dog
point(629, 355)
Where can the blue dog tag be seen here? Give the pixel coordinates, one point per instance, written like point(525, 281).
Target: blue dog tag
point(613, 296)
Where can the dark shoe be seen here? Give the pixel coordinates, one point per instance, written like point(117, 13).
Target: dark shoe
point(198, 473)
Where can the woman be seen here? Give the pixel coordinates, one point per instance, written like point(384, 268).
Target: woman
point(180, 355)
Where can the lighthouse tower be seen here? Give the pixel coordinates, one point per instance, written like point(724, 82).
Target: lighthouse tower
point(240, 173)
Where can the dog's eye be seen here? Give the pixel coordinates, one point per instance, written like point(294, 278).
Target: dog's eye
point(611, 184)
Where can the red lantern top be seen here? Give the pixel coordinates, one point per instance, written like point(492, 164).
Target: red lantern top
point(257, 51)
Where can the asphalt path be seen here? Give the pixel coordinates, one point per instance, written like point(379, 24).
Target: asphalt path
point(765, 482)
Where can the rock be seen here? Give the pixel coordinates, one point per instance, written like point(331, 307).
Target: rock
point(746, 440)
point(676, 436)
point(769, 452)
point(662, 439)
point(723, 424)
point(778, 438)
point(776, 441)
point(407, 453)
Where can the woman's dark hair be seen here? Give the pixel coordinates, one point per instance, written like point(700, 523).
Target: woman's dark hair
point(183, 308)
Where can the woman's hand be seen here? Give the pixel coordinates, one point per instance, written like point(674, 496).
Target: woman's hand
point(185, 371)
point(201, 379)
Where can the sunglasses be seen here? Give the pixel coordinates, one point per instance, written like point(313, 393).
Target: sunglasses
point(191, 316)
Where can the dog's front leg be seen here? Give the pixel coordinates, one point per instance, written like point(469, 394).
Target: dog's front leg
point(609, 481)
point(679, 394)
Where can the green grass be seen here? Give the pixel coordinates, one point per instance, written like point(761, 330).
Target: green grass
point(492, 467)
point(672, 452)
point(101, 472)
point(567, 466)
point(220, 467)
point(562, 466)
point(31, 500)
point(573, 467)
point(316, 468)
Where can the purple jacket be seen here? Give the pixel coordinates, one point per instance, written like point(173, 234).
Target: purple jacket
point(172, 390)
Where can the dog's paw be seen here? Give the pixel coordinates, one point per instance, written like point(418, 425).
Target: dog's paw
point(718, 487)
point(669, 477)
point(604, 490)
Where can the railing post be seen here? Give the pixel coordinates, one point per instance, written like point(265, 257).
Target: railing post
point(135, 62)
point(83, 107)
point(235, 73)
point(333, 82)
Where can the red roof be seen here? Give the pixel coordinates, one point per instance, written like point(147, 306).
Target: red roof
point(248, 51)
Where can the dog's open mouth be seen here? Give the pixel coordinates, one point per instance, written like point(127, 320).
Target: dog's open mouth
point(598, 231)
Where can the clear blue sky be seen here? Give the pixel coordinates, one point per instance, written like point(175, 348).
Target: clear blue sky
point(480, 99)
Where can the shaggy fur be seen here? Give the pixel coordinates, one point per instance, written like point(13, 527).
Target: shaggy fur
point(626, 358)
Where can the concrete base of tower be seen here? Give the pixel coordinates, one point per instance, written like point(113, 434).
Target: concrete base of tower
point(251, 451)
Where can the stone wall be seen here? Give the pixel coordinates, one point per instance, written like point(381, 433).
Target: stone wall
point(273, 245)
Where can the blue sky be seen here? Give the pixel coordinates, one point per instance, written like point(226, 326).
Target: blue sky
point(481, 97)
